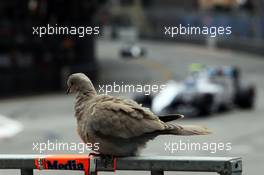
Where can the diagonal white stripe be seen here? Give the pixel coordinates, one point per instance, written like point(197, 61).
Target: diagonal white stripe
point(9, 127)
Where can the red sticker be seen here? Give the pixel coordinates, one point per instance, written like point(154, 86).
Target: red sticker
point(64, 162)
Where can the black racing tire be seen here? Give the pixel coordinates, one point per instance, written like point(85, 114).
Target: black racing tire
point(204, 104)
point(245, 97)
point(125, 54)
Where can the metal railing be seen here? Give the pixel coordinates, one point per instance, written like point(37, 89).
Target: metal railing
point(156, 165)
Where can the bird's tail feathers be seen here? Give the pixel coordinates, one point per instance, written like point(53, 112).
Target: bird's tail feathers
point(188, 130)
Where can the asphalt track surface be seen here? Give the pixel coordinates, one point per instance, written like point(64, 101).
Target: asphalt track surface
point(51, 116)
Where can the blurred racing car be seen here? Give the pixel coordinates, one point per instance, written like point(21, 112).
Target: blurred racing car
point(205, 91)
point(132, 51)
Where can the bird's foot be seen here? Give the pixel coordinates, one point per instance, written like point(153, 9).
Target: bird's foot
point(107, 161)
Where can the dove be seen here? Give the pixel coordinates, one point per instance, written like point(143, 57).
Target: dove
point(121, 127)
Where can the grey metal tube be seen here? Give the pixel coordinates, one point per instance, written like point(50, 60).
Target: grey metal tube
point(158, 164)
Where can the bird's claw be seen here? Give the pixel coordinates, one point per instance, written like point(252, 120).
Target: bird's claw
point(108, 161)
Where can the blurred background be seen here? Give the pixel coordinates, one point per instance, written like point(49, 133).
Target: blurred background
point(132, 49)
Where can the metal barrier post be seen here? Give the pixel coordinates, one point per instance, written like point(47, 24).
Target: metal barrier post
point(26, 172)
point(157, 173)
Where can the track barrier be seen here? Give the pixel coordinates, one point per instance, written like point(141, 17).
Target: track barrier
point(92, 164)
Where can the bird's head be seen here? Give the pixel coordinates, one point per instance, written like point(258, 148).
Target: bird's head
point(80, 83)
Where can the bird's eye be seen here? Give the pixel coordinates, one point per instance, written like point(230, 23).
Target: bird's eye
point(71, 83)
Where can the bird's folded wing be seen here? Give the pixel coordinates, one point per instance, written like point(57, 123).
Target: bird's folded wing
point(123, 120)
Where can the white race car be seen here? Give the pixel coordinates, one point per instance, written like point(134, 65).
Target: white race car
point(132, 51)
point(204, 92)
